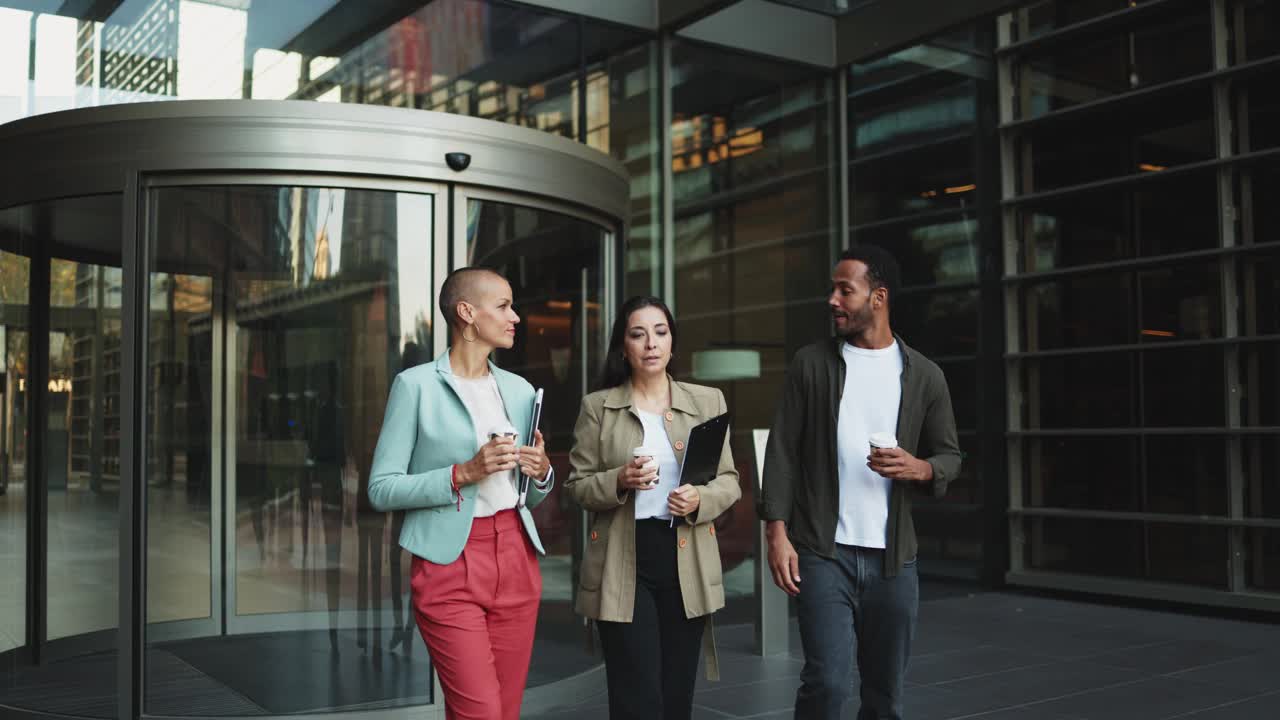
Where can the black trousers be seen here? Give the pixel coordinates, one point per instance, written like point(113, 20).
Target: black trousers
point(651, 663)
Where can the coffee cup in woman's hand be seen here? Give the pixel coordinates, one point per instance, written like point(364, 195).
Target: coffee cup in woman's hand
point(498, 455)
point(639, 474)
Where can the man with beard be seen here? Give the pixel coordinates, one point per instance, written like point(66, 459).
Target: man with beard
point(837, 511)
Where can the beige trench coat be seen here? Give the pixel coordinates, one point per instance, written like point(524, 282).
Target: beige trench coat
point(606, 432)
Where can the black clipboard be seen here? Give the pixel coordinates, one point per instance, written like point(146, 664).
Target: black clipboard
point(702, 451)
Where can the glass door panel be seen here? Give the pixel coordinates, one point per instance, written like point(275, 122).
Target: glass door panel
point(556, 264)
point(280, 314)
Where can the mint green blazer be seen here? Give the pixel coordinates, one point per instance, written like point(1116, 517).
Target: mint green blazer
point(426, 431)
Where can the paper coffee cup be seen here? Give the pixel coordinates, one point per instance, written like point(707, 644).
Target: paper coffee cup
point(883, 441)
point(503, 431)
point(650, 453)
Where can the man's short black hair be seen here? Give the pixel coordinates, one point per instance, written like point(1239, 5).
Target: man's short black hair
point(882, 268)
point(458, 287)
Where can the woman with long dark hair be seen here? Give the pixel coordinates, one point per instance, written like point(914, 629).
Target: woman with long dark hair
point(445, 456)
point(651, 573)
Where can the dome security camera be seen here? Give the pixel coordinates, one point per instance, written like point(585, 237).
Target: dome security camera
point(458, 161)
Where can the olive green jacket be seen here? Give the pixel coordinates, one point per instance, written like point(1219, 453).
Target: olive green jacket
point(608, 429)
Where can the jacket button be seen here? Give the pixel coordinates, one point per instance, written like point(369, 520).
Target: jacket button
point(669, 416)
point(712, 530)
point(594, 536)
point(679, 444)
point(684, 541)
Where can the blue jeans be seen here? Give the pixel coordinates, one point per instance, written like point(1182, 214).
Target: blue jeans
point(847, 603)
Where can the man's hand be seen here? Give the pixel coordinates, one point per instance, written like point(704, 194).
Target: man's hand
point(783, 561)
point(898, 464)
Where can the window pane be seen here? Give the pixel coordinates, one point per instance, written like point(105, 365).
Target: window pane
point(1264, 559)
point(1087, 391)
point(1165, 132)
point(1184, 387)
point(1259, 109)
point(1178, 215)
point(962, 381)
point(1257, 30)
point(1260, 184)
point(1078, 311)
point(967, 486)
point(927, 178)
point(1039, 18)
point(1188, 554)
point(943, 251)
point(1161, 552)
point(1186, 475)
point(1260, 293)
point(1182, 302)
point(1261, 460)
point(1079, 72)
point(939, 323)
point(15, 274)
point(1260, 384)
point(1108, 548)
point(1081, 473)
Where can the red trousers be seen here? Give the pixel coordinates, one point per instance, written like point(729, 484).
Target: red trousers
point(477, 615)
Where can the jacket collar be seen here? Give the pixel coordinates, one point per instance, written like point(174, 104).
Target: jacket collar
point(621, 397)
point(445, 367)
point(503, 378)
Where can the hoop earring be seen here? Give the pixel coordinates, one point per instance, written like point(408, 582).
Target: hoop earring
point(475, 334)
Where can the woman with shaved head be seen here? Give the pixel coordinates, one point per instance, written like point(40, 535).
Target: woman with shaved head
point(445, 456)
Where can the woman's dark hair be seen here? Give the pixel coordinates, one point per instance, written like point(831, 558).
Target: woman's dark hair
point(616, 368)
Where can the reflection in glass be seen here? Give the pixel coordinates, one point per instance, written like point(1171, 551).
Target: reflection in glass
point(1152, 53)
point(14, 342)
point(1045, 16)
point(1078, 311)
point(1174, 130)
point(555, 266)
point(1177, 215)
point(78, 381)
point(938, 252)
point(939, 323)
point(297, 305)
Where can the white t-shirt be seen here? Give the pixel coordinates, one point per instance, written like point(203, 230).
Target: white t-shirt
point(653, 503)
point(872, 393)
point(484, 403)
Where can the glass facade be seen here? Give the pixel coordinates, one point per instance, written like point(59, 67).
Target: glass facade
point(1077, 193)
point(919, 186)
point(1138, 268)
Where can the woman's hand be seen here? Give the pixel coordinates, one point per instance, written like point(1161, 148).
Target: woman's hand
point(497, 455)
point(684, 500)
point(533, 458)
point(636, 475)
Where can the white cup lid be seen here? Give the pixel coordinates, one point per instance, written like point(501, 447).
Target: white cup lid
point(502, 430)
point(643, 452)
point(883, 440)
